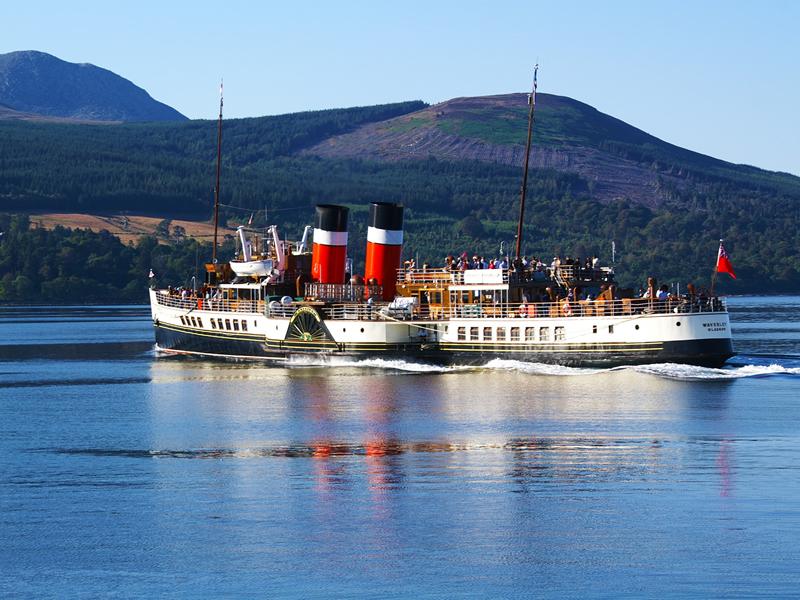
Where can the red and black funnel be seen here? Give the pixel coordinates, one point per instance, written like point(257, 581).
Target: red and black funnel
point(329, 254)
point(384, 245)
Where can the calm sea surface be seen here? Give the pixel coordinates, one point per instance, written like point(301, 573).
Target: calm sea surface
point(124, 473)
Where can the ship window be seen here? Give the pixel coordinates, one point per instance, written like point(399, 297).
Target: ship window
point(436, 297)
point(244, 325)
point(183, 321)
point(558, 333)
point(515, 334)
point(487, 334)
point(530, 334)
point(473, 334)
point(199, 322)
point(610, 329)
point(465, 297)
point(544, 334)
point(228, 324)
point(462, 334)
point(501, 334)
point(594, 328)
point(213, 323)
point(236, 324)
point(219, 323)
point(194, 322)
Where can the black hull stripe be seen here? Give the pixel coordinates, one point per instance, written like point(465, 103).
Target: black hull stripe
point(709, 352)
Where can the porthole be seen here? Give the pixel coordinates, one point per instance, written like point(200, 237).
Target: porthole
point(344, 329)
point(362, 330)
point(594, 328)
point(636, 327)
point(678, 324)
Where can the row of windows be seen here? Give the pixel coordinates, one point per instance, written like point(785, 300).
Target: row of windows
point(513, 334)
point(476, 335)
point(222, 324)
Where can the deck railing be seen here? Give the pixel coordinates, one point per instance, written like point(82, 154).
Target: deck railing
point(582, 308)
point(342, 291)
point(358, 310)
point(210, 304)
point(563, 276)
point(436, 276)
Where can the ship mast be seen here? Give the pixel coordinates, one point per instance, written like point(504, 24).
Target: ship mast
point(524, 190)
point(216, 187)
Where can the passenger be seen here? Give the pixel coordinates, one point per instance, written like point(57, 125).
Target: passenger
point(663, 293)
point(652, 285)
point(566, 307)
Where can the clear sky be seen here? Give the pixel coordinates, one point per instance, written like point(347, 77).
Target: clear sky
point(718, 77)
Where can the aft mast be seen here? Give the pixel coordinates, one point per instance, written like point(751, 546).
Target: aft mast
point(216, 187)
point(524, 190)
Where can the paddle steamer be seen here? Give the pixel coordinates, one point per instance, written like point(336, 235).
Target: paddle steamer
point(278, 300)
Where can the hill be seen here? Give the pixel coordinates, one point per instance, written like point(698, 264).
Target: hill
point(595, 179)
point(40, 84)
point(616, 160)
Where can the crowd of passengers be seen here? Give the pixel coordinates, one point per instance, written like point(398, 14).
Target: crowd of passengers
point(186, 293)
point(577, 301)
point(522, 269)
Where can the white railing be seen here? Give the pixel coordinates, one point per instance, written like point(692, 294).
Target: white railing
point(442, 276)
point(342, 291)
point(481, 310)
point(582, 308)
point(192, 303)
point(564, 275)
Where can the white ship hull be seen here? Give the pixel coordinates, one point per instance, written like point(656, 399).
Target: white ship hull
point(252, 330)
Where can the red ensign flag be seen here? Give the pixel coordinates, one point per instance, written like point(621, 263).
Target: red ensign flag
point(724, 262)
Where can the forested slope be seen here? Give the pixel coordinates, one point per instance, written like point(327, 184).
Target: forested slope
point(459, 202)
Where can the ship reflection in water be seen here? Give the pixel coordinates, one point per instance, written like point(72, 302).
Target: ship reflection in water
point(380, 430)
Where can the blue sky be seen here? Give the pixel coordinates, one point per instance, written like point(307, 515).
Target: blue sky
point(716, 77)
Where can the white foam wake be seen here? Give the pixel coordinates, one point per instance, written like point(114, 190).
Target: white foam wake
point(370, 363)
point(665, 370)
point(692, 373)
point(519, 366)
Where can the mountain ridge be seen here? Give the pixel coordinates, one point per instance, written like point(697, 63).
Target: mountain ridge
point(42, 86)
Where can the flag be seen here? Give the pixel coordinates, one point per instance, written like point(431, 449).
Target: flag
point(724, 262)
point(151, 274)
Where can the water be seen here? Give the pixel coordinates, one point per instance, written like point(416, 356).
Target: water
point(128, 474)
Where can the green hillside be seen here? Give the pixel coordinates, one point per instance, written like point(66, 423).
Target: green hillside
point(456, 202)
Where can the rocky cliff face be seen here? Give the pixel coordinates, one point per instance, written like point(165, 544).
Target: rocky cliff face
point(35, 83)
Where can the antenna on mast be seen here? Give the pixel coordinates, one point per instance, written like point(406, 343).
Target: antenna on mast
point(524, 190)
point(216, 187)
